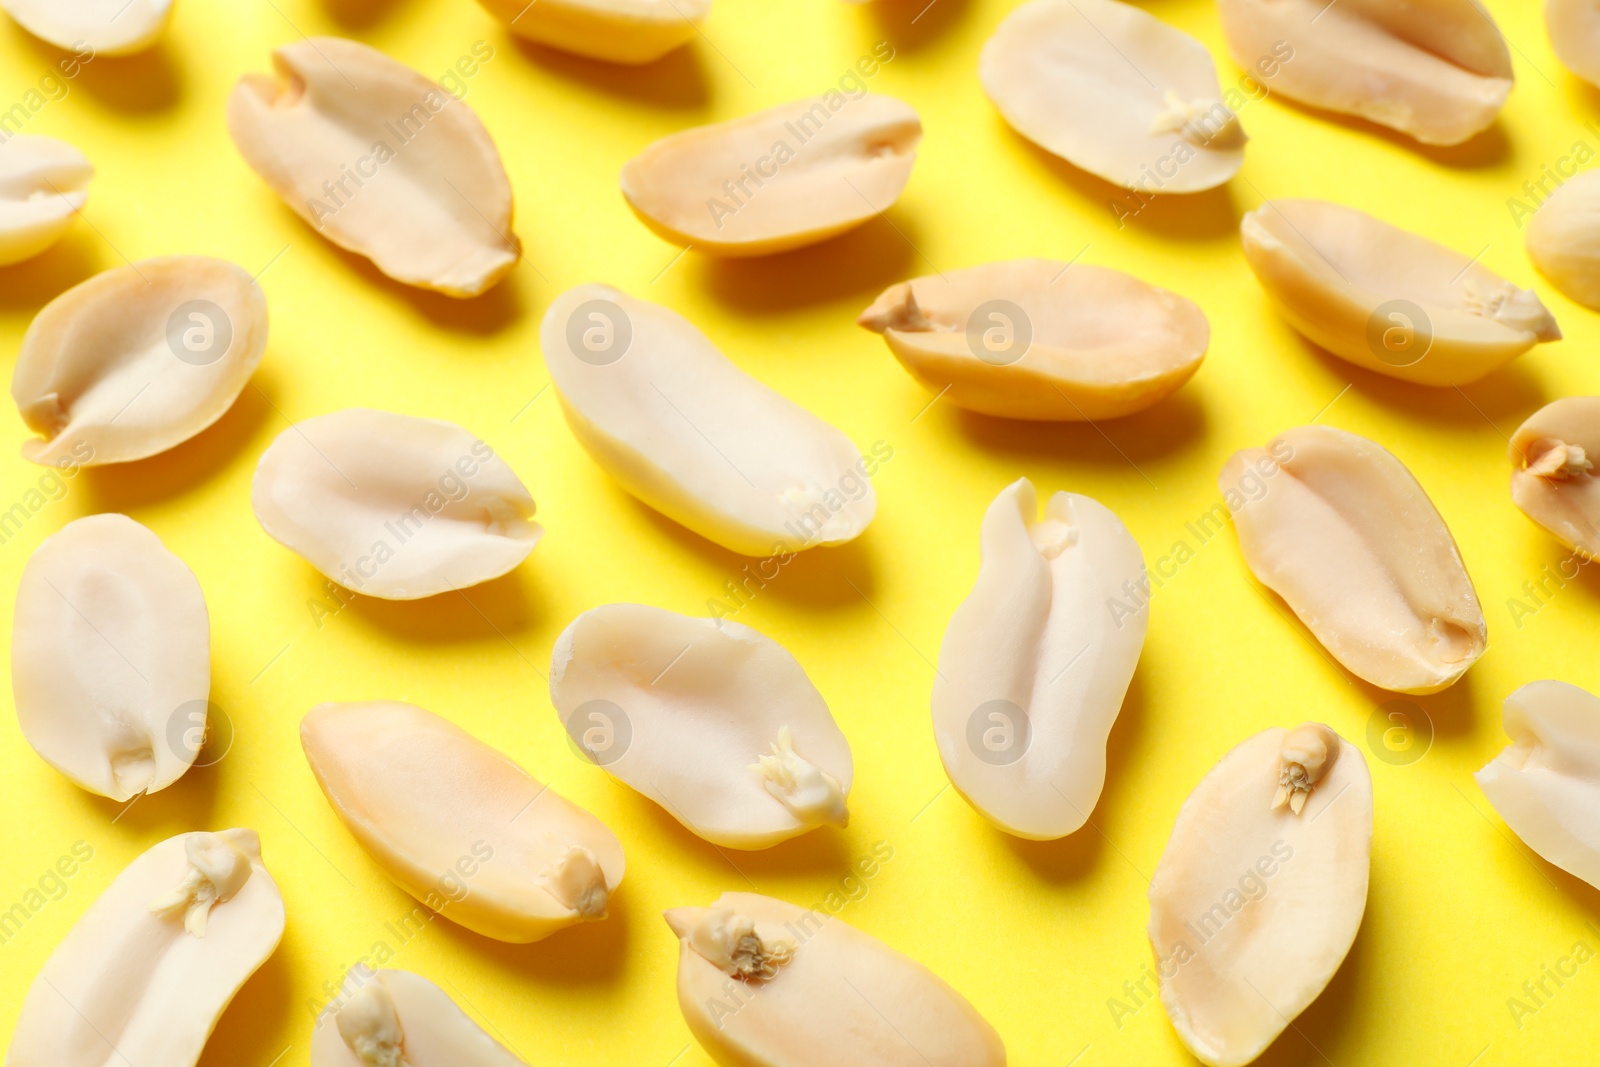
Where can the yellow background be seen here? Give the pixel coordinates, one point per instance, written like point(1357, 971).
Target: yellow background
point(1038, 936)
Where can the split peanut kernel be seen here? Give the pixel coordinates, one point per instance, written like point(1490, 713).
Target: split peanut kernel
point(1554, 480)
point(43, 184)
point(400, 1019)
point(618, 31)
point(93, 27)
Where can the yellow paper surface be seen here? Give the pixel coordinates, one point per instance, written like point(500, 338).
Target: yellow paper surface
point(1047, 940)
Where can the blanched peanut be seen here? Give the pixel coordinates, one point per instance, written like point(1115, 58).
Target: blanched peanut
point(789, 176)
point(1563, 237)
point(708, 718)
point(1546, 784)
point(1338, 527)
point(111, 657)
point(380, 161)
point(394, 506)
point(1255, 904)
point(400, 1019)
point(1438, 70)
point(146, 973)
point(1033, 339)
point(763, 983)
point(620, 31)
point(1554, 481)
point(1114, 90)
point(1036, 662)
point(43, 184)
point(1574, 27)
point(1386, 299)
point(436, 808)
point(689, 433)
point(95, 27)
point(138, 359)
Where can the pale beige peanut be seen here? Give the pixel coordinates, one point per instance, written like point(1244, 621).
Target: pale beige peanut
point(1386, 299)
point(1553, 479)
point(789, 176)
point(1088, 342)
point(1563, 238)
point(715, 722)
point(439, 810)
point(1113, 90)
point(1341, 530)
point(1437, 70)
point(394, 506)
point(43, 184)
point(94, 27)
point(381, 161)
point(399, 1019)
point(138, 359)
point(1258, 897)
point(144, 976)
point(763, 983)
point(111, 657)
point(1546, 783)
point(619, 31)
point(1574, 27)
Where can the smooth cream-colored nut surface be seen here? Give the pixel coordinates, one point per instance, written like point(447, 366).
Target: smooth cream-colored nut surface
point(393, 506)
point(789, 176)
point(1574, 27)
point(147, 971)
point(1563, 237)
point(620, 31)
point(1113, 90)
point(1546, 783)
point(138, 359)
point(708, 718)
point(1438, 70)
point(1386, 299)
point(763, 983)
point(381, 161)
point(1254, 904)
point(1554, 480)
point(111, 657)
point(98, 27)
point(43, 184)
point(436, 808)
point(1340, 529)
point(400, 1019)
point(1036, 661)
point(685, 430)
point(1038, 339)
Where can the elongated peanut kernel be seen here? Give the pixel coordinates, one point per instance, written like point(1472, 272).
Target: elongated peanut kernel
point(1307, 754)
point(370, 1026)
point(810, 793)
point(217, 870)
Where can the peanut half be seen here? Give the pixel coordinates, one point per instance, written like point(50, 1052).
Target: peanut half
point(43, 184)
point(1563, 238)
point(1261, 889)
point(1554, 481)
point(618, 31)
point(1438, 70)
point(1574, 27)
point(713, 721)
point(1386, 299)
point(789, 176)
point(1340, 529)
point(95, 27)
point(381, 161)
point(1546, 783)
point(1115, 91)
point(763, 983)
point(138, 359)
point(111, 657)
point(1037, 660)
point(400, 1019)
point(145, 974)
point(686, 431)
point(393, 506)
point(1038, 339)
point(458, 825)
